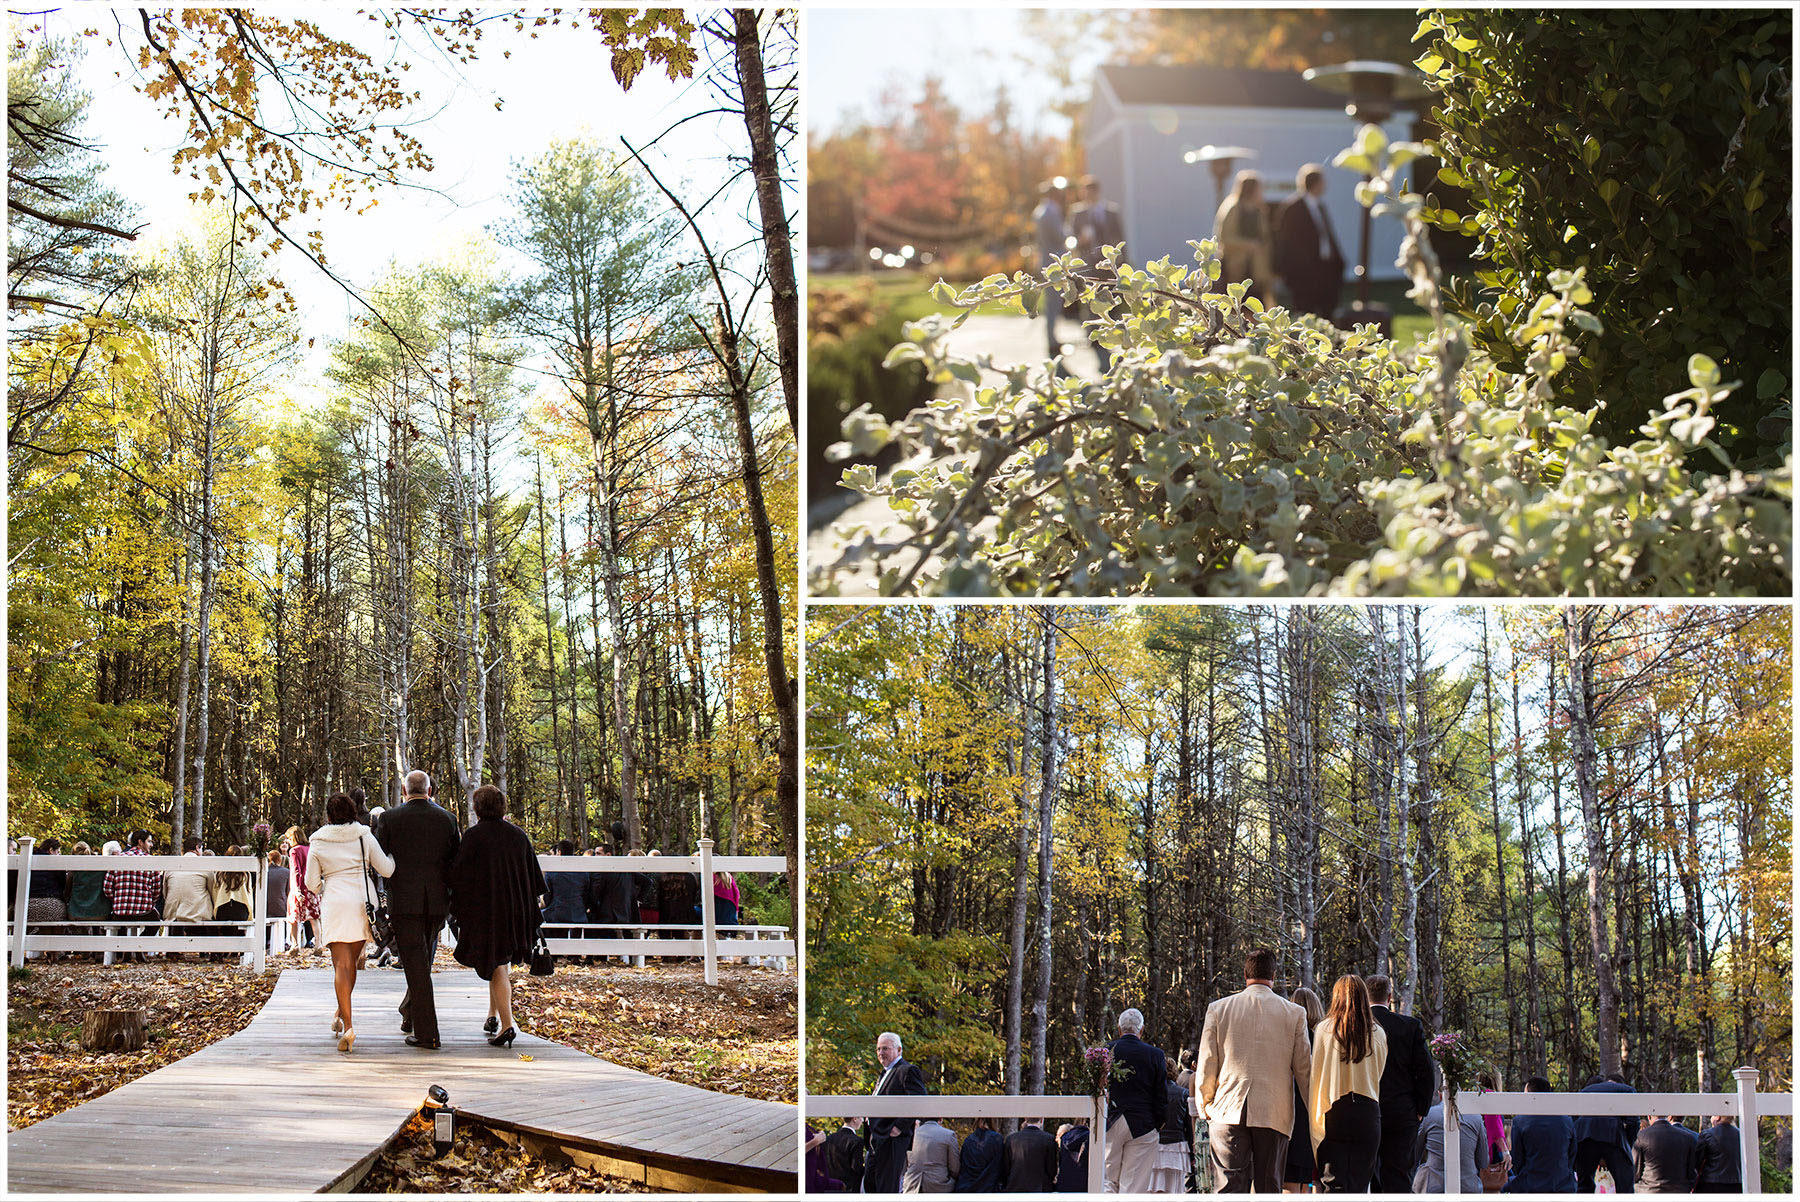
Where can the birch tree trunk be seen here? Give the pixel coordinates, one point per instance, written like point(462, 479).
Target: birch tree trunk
point(1578, 631)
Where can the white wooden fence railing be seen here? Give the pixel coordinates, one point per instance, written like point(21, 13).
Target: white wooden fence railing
point(710, 941)
point(1746, 1105)
point(246, 936)
point(973, 1106)
point(738, 941)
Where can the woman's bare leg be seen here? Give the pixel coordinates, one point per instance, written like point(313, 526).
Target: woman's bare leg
point(343, 970)
point(500, 996)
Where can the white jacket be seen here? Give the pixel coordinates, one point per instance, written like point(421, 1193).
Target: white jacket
point(335, 870)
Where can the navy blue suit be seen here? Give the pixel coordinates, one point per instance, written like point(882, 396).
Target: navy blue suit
point(1543, 1154)
point(1605, 1139)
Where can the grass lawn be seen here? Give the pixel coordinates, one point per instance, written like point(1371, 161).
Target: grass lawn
point(908, 293)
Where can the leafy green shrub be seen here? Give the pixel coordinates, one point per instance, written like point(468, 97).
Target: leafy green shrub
point(847, 339)
point(1233, 450)
point(1651, 147)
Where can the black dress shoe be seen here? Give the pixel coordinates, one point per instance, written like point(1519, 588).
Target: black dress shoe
point(406, 1026)
point(413, 1041)
point(490, 1026)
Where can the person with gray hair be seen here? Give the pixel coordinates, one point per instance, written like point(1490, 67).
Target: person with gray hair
point(890, 1139)
point(422, 838)
point(1137, 1101)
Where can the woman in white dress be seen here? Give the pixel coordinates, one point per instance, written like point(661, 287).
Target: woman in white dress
point(337, 870)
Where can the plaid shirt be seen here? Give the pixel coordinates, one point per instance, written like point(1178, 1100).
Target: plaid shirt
point(133, 893)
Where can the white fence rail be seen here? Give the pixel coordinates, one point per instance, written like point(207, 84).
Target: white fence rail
point(1746, 1105)
point(247, 935)
point(711, 941)
point(974, 1106)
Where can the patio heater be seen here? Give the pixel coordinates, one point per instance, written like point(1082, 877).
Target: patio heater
point(1374, 89)
point(1222, 159)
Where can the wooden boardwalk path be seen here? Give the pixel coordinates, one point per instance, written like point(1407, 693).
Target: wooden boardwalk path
point(276, 1109)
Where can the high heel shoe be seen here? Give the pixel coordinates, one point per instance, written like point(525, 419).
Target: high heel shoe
point(504, 1039)
point(337, 1025)
point(490, 1026)
point(347, 1040)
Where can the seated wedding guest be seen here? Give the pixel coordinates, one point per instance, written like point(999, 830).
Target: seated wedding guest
point(933, 1160)
point(277, 907)
point(565, 904)
point(980, 1171)
point(1721, 1167)
point(87, 894)
point(49, 893)
point(818, 1174)
point(1543, 1150)
point(187, 895)
point(1028, 1160)
point(1072, 1158)
point(844, 1153)
point(1428, 1147)
point(1666, 1157)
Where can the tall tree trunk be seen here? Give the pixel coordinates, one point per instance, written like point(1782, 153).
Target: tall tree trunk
point(765, 168)
point(1493, 762)
point(1040, 1006)
point(1578, 631)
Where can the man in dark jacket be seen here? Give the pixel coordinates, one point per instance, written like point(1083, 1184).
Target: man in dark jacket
point(1665, 1157)
point(1721, 1169)
point(1306, 247)
point(979, 1171)
point(1137, 1097)
point(1605, 1139)
point(1543, 1150)
point(612, 903)
point(422, 838)
point(844, 1156)
point(1072, 1159)
point(1407, 1084)
point(567, 899)
point(890, 1139)
point(1028, 1160)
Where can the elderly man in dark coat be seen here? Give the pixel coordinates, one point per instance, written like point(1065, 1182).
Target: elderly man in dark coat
point(495, 887)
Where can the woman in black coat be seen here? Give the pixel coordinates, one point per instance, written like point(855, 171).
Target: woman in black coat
point(495, 887)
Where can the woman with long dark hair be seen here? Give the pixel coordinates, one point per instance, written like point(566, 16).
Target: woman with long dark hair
point(496, 891)
point(1349, 1051)
point(1301, 1171)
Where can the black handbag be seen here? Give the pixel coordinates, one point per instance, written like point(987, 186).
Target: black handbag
point(381, 923)
point(542, 962)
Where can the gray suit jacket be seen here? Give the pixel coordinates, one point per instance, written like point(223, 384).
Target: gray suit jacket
point(934, 1161)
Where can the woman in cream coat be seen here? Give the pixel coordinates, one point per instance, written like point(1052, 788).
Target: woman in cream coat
point(1343, 1106)
point(1246, 239)
point(337, 870)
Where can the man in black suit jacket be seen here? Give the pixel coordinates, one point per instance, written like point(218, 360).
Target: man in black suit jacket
point(1407, 1083)
point(1306, 247)
point(891, 1139)
point(1028, 1160)
point(1721, 1158)
point(1605, 1139)
point(1543, 1150)
point(844, 1156)
point(422, 838)
point(1137, 1097)
point(1666, 1158)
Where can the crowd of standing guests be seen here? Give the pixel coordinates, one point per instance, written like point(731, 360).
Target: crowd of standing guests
point(1298, 1096)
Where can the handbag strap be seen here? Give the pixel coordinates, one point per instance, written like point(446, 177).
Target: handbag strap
point(368, 889)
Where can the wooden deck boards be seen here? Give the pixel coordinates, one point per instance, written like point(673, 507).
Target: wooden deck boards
point(275, 1108)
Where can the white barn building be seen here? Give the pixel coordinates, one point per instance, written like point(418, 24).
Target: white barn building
point(1143, 120)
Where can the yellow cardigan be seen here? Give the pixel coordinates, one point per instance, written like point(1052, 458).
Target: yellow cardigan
point(1332, 1077)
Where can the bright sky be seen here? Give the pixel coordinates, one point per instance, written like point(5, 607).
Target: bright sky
point(854, 55)
point(557, 86)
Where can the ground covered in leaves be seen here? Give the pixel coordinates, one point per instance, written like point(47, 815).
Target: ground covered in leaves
point(191, 1004)
point(479, 1163)
point(740, 1038)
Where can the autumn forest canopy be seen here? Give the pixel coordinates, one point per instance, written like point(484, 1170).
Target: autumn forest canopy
point(1566, 831)
point(528, 522)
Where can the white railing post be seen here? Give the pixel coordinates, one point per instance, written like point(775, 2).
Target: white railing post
point(1097, 1147)
point(1749, 1144)
point(709, 935)
point(258, 923)
point(1452, 1144)
point(23, 902)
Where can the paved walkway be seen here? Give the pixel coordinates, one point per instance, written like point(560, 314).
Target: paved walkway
point(1011, 340)
point(276, 1109)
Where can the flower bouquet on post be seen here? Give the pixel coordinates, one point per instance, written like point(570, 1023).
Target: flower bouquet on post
point(1462, 1067)
point(260, 836)
point(1099, 1068)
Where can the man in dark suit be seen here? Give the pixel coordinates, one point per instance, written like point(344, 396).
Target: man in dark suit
point(1306, 247)
point(1407, 1084)
point(844, 1156)
point(422, 838)
point(1721, 1166)
point(1137, 1096)
point(1096, 224)
point(891, 1139)
point(1605, 1139)
point(1543, 1150)
point(1665, 1157)
point(1028, 1160)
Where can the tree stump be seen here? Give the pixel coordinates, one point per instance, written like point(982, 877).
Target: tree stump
point(113, 1030)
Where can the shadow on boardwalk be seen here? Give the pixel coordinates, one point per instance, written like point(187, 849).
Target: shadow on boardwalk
point(276, 1109)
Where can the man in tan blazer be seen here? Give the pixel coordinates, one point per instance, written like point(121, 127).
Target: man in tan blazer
point(1253, 1055)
